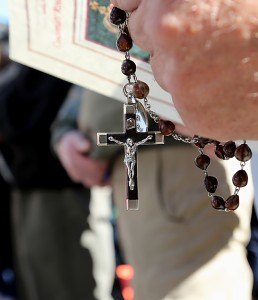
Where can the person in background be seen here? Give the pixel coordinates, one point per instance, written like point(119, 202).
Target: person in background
point(252, 247)
point(176, 243)
point(252, 252)
point(7, 274)
point(100, 240)
point(48, 217)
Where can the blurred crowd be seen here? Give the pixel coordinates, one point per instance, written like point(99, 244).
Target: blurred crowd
point(65, 233)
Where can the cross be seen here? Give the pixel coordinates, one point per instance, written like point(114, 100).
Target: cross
point(131, 138)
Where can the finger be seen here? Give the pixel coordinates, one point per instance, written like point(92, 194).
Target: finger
point(81, 144)
point(106, 182)
point(136, 23)
point(90, 181)
point(127, 5)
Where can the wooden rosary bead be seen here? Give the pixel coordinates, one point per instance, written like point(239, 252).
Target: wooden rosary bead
point(166, 127)
point(211, 184)
point(243, 153)
point(232, 202)
point(240, 178)
point(229, 149)
point(117, 16)
point(202, 142)
point(218, 203)
point(202, 161)
point(219, 151)
point(140, 89)
point(128, 67)
point(124, 42)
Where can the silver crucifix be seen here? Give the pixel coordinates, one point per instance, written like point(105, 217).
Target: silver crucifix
point(130, 156)
point(135, 134)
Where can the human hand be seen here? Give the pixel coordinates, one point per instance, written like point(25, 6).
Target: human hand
point(72, 151)
point(205, 54)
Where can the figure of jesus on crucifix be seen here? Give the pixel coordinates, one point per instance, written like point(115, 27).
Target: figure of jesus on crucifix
point(135, 133)
point(130, 152)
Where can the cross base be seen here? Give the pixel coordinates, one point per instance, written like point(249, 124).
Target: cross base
point(132, 204)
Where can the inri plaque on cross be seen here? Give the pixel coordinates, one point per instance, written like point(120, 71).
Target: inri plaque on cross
point(134, 135)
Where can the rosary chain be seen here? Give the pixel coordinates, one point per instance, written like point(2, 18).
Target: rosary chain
point(187, 140)
point(176, 136)
point(222, 150)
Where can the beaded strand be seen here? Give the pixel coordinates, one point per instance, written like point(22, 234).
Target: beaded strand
point(224, 151)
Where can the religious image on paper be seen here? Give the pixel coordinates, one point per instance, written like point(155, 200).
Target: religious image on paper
point(101, 31)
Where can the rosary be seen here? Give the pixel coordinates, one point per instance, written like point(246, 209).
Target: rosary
point(136, 132)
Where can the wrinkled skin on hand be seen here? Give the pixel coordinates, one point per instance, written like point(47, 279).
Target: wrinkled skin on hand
point(205, 54)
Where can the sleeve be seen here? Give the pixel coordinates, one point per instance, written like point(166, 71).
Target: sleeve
point(66, 119)
point(29, 101)
point(99, 113)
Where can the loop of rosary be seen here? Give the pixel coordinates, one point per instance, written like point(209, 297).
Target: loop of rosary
point(224, 151)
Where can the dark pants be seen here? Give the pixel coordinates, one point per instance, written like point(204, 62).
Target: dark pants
point(7, 276)
point(51, 263)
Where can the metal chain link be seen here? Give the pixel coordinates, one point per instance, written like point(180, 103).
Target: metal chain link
point(151, 113)
point(188, 140)
point(176, 136)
